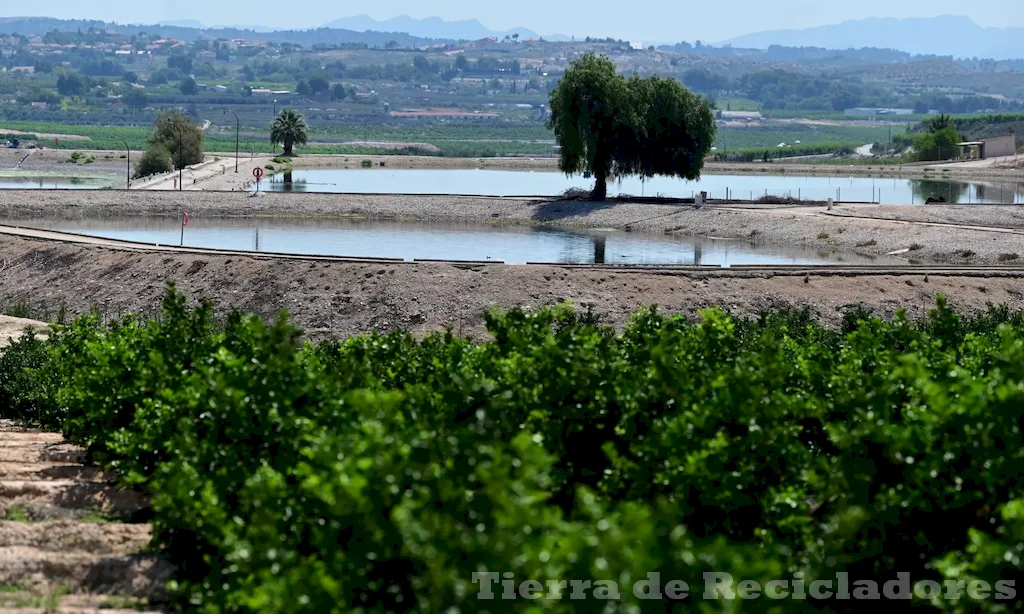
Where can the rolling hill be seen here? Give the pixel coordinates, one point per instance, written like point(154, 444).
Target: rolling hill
point(429, 27)
point(946, 35)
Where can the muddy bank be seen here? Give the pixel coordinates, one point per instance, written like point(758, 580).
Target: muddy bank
point(342, 299)
point(956, 234)
point(58, 162)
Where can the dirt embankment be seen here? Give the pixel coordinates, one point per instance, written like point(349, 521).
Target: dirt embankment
point(955, 234)
point(12, 328)
point(342, 299)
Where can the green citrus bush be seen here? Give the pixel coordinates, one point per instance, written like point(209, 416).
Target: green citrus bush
point(379, 473)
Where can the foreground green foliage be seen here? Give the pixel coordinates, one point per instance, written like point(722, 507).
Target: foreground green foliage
point(377, 474)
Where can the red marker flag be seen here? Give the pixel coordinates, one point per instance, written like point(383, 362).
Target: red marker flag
point(184, 220)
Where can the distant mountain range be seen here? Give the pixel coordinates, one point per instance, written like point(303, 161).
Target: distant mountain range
point(197, 25)
point(319, 36)
point(434, 28)
point(429, 27)
point(946, 36)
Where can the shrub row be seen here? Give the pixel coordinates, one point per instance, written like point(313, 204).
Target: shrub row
point(379, 473)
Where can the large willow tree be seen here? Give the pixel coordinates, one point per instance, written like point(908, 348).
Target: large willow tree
point(613, 126)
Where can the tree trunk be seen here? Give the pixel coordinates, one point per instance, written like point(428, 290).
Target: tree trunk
point(600, 178)
point(287, 149)
point(599, 246)
point(600, 185)
point(600, 189)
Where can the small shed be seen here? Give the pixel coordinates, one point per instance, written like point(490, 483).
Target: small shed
point(994, 147)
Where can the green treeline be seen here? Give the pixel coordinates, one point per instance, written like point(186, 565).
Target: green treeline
point(378, 473)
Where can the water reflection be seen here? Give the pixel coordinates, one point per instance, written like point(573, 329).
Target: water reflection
point(848, 189)
point(946, 191)
point(450, 241)
point(286, 182)
point(53, 182)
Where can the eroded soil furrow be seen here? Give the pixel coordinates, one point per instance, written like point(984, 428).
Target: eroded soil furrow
point(59, 550)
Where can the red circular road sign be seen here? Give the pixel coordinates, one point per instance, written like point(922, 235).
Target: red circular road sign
point(257, 173)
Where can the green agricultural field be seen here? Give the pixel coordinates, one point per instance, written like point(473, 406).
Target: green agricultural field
point(760, 153)
point(469, 140)
point(453, 139)
point(771, 135)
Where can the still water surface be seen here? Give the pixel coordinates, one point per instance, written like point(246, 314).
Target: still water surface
point(546, 183)
point(53, 182)
point(449, 241)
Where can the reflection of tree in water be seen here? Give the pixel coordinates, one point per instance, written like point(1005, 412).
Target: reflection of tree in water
point(290, 185)
point(951, 191)
point(599, 243)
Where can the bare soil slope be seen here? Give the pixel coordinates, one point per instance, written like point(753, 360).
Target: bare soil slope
point(342, 299)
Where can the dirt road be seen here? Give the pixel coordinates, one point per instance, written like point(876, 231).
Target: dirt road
point(217, 173)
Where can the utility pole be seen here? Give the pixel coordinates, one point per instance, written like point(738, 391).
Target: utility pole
point(238, 126)
point(181, 158)
point(129, 154)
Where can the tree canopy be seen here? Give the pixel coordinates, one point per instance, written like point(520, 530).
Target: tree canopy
point(613, 126)
point(289, 129)
point(174, 136)
point(188, 86)
point(939, 142)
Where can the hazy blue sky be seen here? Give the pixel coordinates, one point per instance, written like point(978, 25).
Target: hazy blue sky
point(660, 20)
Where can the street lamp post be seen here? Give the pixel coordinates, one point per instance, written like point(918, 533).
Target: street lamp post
point(237, 128)
point(181, 155)
point(128, 151)
point(272, 119)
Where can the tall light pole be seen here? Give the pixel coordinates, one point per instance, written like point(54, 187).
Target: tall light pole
point(272, 120)
point(128, 151)
point(181, 154)
point(237, 128)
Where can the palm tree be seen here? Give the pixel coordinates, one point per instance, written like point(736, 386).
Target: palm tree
point(290, 129)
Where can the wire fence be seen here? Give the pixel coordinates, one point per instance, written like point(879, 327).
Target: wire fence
point(887, 192)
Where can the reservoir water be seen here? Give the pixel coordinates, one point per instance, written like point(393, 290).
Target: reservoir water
point(547, 183)
point(449, 241)
point(54, 182)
